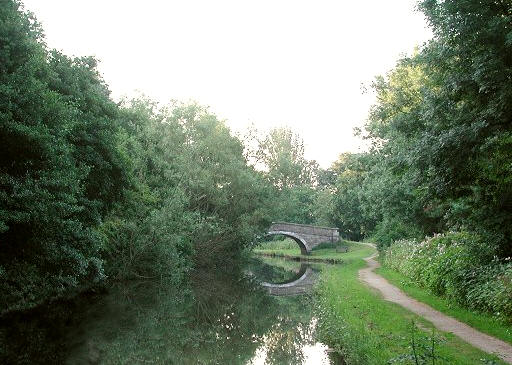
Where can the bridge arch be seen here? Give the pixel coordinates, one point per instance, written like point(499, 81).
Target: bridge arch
point(307, 236)
point(300, 241)
point(294, 280)
point(302, 283)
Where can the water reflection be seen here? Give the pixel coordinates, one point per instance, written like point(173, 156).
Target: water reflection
point(305, 349)
point(220, 318)
point(300, 276)
point(275, 270)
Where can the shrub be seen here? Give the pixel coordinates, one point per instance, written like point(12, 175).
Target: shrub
point(279, 243)
point(328, 245)
point(459, 266)
point(390, 230)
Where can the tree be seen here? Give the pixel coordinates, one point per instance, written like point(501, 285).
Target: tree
point(281, 153)
point(51, 197)
point(440, 129)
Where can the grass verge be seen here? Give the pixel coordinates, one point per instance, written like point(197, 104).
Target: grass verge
point(364, 329)
point(480, 321)
point(355, 322)
point(355, 250)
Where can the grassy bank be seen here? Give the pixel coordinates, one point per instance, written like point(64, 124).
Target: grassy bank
point(289, 249)
point(364, 329)
point(355, 322)
point(301, 258)
point(481, 321)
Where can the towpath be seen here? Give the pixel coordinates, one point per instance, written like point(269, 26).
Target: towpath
point(441, 321)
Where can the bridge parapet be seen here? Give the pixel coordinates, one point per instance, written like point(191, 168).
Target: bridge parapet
point(306, 229)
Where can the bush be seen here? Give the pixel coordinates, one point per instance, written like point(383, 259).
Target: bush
point(279, 243)
point(459, 266)
point(390, 230)
point(328, 245)
point(492, 291)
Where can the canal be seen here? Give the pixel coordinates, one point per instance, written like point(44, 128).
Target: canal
point(261, 314)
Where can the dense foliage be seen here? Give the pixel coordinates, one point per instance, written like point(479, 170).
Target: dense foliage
point(292, 179)
point(194, 195)
point(93, 190)
point(59, 168)
point(440, 159)
point(441, 136)
point(451, 265)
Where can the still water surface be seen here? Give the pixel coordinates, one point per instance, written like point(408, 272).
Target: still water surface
point(222, 318)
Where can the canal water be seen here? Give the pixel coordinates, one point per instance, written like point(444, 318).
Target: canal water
point(261, 315)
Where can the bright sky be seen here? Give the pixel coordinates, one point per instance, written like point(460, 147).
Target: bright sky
point(269, 62)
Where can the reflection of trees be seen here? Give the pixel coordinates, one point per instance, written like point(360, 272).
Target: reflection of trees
point(243, 318)
point(222, 318)
point(290, 332)
point(230, 315)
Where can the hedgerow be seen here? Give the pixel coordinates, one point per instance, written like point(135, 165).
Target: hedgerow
point(459, 266)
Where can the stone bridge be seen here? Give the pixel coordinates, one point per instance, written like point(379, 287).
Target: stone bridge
point(306, 236)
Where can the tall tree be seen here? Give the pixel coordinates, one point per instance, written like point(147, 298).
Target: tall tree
point(281, 153)
point(51, 199)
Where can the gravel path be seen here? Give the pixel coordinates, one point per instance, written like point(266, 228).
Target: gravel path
point(441, 321)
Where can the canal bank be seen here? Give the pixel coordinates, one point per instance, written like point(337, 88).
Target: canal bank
point(356, 323)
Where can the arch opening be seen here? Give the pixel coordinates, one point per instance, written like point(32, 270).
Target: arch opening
point(300, 242)
point(297, 278)
point(301, 285)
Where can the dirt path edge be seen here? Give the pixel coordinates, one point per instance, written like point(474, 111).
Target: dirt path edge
point(441, 321)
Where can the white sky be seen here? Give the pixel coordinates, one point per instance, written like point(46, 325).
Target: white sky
point(268, 62)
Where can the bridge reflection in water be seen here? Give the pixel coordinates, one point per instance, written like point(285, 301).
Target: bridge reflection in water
point(301, 283)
